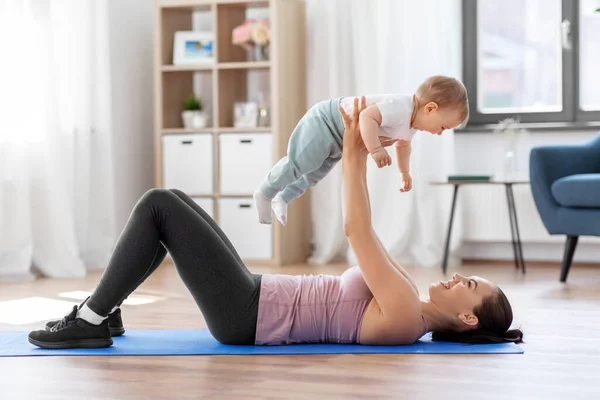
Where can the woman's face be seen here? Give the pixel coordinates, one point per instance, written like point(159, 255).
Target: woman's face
point(459, 296)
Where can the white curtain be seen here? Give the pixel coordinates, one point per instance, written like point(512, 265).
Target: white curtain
point(56, 179)
point(359, 47)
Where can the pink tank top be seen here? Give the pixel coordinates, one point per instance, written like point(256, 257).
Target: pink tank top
point(312, 308)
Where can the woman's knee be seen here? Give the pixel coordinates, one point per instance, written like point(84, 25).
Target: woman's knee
point(155, 196)
point(178, 193)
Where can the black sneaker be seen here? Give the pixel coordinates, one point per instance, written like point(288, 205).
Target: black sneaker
point(72, 332)
point(115, 323)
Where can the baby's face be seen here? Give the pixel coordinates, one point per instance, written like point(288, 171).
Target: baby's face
point(438, 120)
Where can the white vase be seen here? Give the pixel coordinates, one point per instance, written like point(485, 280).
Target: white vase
point(508, 160)
point(194, 119)
point(511, 166)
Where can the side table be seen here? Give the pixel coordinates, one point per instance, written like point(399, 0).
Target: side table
point(512, 215)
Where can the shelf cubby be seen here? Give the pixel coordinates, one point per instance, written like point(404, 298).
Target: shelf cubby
point(176, 86)
point(234, 76)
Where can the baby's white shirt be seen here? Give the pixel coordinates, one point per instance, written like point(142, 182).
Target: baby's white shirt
point(395, 109)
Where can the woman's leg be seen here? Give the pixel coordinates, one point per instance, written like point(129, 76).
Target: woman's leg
point(226, 292)
point(188, 200)
point(162, 252)
point(224, 289)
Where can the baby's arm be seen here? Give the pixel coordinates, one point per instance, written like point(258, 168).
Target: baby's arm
point(369, 122)
point(403, 150)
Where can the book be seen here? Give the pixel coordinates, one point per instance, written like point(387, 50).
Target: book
point(483, 178)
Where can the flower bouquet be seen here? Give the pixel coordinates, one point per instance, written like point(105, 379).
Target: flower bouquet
point(255, 37)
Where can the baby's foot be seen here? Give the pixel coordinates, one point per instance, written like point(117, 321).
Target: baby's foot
point(263, 207)
point(279, 207)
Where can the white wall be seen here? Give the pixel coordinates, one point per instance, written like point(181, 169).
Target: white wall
point(131, 51)
point(485, 215)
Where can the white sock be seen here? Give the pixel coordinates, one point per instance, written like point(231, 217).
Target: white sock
point(86, 314)
point(114, 309)
point(263, 207)
point(279, 207)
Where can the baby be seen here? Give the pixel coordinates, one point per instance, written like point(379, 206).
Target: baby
point(315, 145)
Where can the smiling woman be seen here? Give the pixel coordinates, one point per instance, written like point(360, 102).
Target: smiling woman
point(470, 310)
point(373, 303)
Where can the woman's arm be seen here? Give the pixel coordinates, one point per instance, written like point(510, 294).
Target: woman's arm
point(400, 269)
point(394, 293)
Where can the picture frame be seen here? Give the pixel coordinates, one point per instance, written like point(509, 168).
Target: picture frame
point(193, 47)
point(245, 114)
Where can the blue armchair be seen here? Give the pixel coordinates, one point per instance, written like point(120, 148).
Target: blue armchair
point(565, 182)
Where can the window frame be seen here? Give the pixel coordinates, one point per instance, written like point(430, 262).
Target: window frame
point(571, 112)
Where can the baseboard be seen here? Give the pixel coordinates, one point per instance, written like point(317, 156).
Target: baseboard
point(549, 252)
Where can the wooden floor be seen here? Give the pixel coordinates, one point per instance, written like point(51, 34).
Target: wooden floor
point(561, 361)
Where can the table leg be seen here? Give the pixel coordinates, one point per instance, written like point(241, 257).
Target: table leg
point(447, 247)
point(514, 226)
point(519, 245)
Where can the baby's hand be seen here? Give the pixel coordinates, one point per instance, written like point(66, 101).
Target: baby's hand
point(407, 182)
point(381, 157)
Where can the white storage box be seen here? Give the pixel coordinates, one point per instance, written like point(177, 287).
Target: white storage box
point(245, 160)
point(239, 220)
point(188, 163)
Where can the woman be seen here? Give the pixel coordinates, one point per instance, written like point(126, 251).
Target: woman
point(376, 303)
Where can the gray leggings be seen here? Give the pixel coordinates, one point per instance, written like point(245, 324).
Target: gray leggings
point(168, 220)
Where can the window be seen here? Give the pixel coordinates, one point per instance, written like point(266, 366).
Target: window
point(589, 55)
point(535, 60)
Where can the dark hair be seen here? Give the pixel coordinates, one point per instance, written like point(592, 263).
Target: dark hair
point(495, 317)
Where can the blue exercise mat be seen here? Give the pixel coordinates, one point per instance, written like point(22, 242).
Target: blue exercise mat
point(200, 342)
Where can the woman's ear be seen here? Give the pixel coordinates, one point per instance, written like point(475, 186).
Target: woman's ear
point(468, 319)
point(431, 106)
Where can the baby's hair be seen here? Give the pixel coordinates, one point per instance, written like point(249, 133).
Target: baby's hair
point(447, 92)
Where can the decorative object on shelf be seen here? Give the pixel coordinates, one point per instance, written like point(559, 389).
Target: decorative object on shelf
point(264, 119)
point(193, 115)
point(255, 37)
point(245, 114)
point(193, 47)
point(509, 130)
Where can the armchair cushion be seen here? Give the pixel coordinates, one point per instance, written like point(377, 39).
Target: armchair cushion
point(579, 191)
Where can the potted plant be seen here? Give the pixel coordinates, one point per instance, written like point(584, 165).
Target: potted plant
point(193, 115)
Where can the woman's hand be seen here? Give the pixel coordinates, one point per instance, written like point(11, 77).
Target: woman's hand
point(353, 143)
